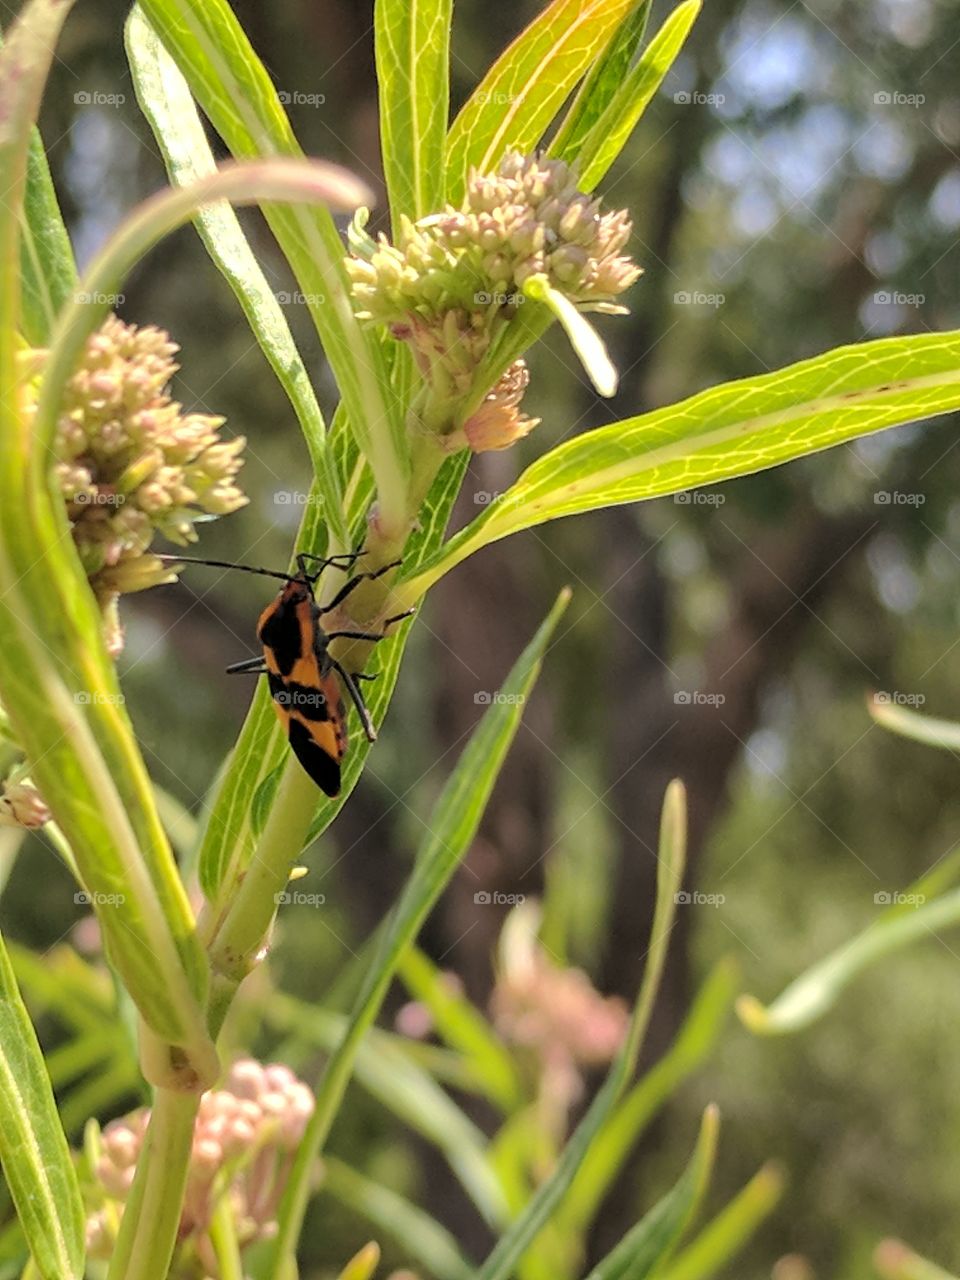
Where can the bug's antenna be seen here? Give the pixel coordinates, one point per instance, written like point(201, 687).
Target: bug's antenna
point(227, 564)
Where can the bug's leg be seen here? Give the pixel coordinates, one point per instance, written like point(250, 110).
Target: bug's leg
point(349, 557)
point(353, 583)
point(250, 666)
point(356, 697)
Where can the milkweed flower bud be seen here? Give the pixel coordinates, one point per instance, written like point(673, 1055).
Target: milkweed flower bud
point(22, 805)
point(132, 464)
point(244, 1141)
point(453, 279)
point(499, 423)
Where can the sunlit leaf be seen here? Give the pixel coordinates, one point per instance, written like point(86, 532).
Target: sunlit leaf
point(413, 60)
point(730, 430)
point(527, 85)
point(910, 724)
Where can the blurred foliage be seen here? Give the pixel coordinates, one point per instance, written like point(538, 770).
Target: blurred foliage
point(795, 187)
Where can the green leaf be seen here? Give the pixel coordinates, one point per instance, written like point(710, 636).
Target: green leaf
point(36, 1160)
point(614, 1142)
point(538, 1213)
point(723, 1237)
point(462, 1026)
point(422, 1241)
point(601, 82)
point(609, 135)
point(811, 995)
point(527, 85)
point(412, 40)
point(584, 339)
point(46, 256)
point(234, 90)
point(167, 103)
point(409, 1093)
point(909, 724)
point(730, 430)
point(655, 1236)
point(452, 826)
point(896, 1261)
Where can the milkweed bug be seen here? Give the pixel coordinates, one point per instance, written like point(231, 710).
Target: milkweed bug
point(297, 662)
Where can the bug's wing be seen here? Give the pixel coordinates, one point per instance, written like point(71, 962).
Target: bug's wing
point(312, 714)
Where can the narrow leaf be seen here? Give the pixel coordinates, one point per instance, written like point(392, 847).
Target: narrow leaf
point(909, 724)
point(811, 995)
point(653, 1239)
point(601, 83)
point(730, 430)
point(527, 85)
point(422, 1241)
point(46, 256)
point(167, 103)
point(452, 826)
point(233, 89)
point(412, 41)
point(609, 135)
point(723, 1237)
point(36, 1160)
point(584, 339)
point(671, 856)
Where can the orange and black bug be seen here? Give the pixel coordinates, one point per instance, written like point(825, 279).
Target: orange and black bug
point(302, 673)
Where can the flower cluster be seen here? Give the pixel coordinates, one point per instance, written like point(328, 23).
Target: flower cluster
point(553, 1013)
point(454, 278)
point(527, 219)
point(243, 1146)
point(131, 463)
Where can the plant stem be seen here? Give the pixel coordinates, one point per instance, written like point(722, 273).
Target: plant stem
point(148, 1229)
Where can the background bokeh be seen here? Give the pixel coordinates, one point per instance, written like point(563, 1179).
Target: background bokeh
point(795, 186)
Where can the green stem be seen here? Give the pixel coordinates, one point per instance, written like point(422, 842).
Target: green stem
point(223, 1236)
point(148, 1230)
point(245, 924)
